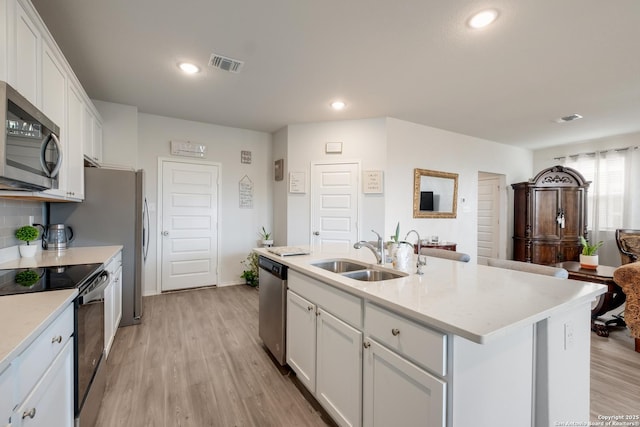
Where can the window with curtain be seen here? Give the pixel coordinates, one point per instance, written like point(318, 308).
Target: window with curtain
point(610, 201)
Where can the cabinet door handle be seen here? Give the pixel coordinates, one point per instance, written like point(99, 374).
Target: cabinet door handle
point(31, 413)
point(310, 308)
point(366, 344)
point(57, 339)
point(395, 332)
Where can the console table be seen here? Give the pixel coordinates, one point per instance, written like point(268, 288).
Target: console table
point(610, 300)
point(450, 246)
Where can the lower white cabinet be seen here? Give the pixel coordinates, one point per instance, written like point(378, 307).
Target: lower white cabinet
point(339, 369)
point(50, 403)
point(7, 392)
point(43, 378)
point(326, 354)
point(398, 392)
point(301, 339)
point(112, 302)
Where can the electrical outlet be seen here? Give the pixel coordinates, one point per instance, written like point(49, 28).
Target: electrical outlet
point(568, 335)
point(31, 219)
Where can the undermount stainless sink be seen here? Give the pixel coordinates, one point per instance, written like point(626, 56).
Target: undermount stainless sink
point(373, 275)
point(340, 265)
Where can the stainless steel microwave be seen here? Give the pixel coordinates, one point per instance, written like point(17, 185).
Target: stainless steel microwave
point(30, 151)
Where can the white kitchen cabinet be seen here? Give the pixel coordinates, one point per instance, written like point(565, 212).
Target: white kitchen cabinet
point(339, 369)
point(7, 394)
point(50, 403)
point(301, 339)
point(112, 302)
point(32, 63)
point(74, 161)
point(44, 379)
point(397, 392)
point(24, 54)
point(323, 350)
point(92, 139)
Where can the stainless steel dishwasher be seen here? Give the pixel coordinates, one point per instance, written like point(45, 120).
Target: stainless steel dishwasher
point(272, 309)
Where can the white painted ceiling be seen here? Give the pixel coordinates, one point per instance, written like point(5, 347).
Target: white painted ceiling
point(414, 60)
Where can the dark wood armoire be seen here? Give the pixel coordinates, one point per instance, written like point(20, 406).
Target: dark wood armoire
point(550, 215)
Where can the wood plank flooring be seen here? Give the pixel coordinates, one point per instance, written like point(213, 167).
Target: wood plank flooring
point(197, 360)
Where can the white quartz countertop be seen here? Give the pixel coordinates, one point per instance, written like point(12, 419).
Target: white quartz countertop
point(69, 256)
point(476, 302)
point(23, 317)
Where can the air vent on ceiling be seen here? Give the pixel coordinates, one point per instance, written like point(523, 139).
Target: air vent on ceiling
point(225, 63)
point(569, 118)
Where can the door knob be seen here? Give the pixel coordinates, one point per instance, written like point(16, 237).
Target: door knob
point(316, 233)
point(165, 233)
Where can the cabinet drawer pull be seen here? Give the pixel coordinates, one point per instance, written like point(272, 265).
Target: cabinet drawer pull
point(366, 344)
point(395, 332)
point(57, 339)
point(30, 413)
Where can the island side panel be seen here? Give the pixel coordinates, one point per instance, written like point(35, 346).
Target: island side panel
point(493, 382)
point(563, 367)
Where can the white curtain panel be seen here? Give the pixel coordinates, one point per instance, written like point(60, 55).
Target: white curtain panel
point(615, 180)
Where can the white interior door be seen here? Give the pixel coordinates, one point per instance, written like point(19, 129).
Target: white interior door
point(334, 209)
point(189, 229)
point(489, 186)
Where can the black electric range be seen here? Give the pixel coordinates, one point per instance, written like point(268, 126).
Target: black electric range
point(41, 279)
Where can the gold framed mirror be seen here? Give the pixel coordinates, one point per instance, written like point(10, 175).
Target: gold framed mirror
point(435, 194)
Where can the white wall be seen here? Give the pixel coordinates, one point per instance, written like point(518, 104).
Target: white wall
point(411, 145)
point(119, 133)
point(363, 141)
point(238, 227)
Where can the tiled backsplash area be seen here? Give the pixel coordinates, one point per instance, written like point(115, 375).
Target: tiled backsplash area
point(14, 214)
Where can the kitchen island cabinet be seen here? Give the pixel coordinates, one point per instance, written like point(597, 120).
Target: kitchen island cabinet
point(463, 344)
point(325, 351)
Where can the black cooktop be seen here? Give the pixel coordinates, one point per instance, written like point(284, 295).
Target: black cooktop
point(41, 279)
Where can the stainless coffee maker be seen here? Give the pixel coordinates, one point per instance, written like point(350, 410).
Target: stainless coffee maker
point(56, 236)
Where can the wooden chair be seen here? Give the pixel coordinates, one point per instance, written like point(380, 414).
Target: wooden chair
point(547, 270)
point(629, 245)
point(627, 276)
point(443, 253)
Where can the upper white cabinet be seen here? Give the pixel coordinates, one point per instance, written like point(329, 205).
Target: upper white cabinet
point(32, 63)
point(24, 52)
point(92, 139)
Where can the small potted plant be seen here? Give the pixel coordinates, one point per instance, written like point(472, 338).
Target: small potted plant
point(27, 233)
point(250, 274)
point(266, 238)
point(589, 255)
point(392, 245)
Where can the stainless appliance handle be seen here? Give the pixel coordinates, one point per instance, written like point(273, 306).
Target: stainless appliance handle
point(43, 150)
point(99, 284)
point(145, 230)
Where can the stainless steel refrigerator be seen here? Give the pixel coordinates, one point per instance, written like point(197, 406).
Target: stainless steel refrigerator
point(114, 212)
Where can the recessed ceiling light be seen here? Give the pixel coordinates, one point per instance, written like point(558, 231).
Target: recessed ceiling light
point(338, 105)
point(482, 19)
point(189, 68)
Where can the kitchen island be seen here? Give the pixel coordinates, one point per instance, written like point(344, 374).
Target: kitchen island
point(463, 344)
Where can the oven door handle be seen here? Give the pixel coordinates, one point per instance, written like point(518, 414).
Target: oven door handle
point(96, 288)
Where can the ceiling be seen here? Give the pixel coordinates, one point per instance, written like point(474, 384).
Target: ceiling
point(414, 60)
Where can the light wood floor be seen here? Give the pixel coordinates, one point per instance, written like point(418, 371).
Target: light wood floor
point(197, 360)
